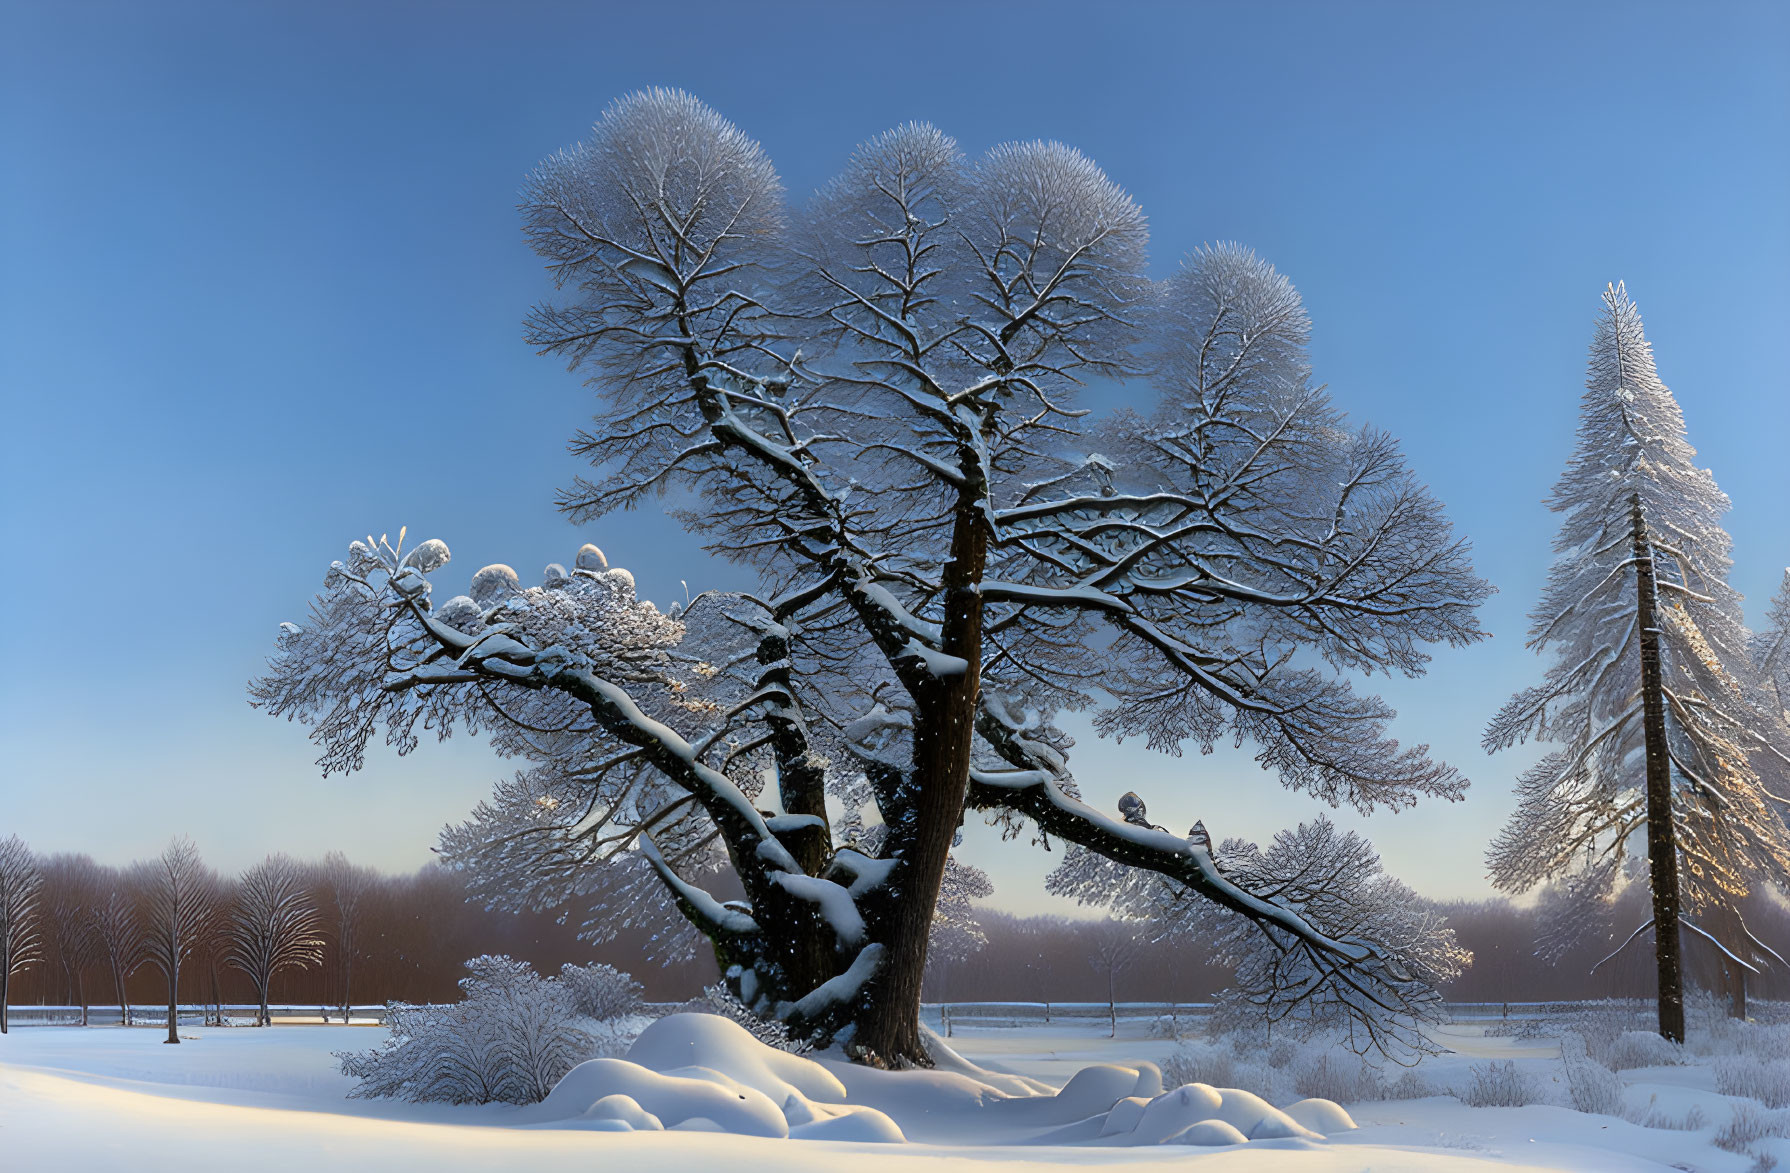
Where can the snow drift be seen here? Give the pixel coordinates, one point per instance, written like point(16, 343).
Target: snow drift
point(707, 1073)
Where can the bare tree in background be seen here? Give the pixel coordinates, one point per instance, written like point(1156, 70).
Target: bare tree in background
point(178, 909)
point(341, 891)
point(1114, 951)
point(70, 895)
point(211, 948)
point(119, 934)
point(21, 943)
point(273, 926)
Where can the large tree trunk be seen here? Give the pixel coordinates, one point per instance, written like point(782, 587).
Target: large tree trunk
point(1662, 846)
point(888, 1030)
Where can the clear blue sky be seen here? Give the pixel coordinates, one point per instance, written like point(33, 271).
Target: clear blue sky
point(261, 284)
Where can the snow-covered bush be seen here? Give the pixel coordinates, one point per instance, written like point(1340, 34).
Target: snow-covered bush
point(1497, 1085)
point(1693, 1119)
point(1639, 1048)
point(601, 991)
point(509, 1040)
point(1193, 1062)
point(1748, 1125)
point(1593, 1087)
point(1409, 1086)
point(1757, 1079)
point(1343, 1078)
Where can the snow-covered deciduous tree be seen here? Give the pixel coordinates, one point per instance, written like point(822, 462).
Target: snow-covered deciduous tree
point(340, 890)
point(70, 900)
point(21, 939)
point(1652, 696)
point(872, 402)
point(1336, 881)
point(272, 926)
point(119, 934)
point(178, 909)
point(509, 1040)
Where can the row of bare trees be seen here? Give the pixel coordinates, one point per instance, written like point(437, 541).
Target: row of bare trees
point(71, 916)
point(79, 936)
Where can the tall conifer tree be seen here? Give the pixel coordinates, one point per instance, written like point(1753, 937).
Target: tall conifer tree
point(1652, 695)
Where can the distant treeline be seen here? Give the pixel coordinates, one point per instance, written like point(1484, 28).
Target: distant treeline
point(1055, 958)
point(411, 935)
point(409, 939)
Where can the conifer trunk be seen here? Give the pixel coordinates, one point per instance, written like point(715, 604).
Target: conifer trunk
point(1662, 846)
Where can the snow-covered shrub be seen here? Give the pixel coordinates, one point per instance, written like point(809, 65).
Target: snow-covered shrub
point(1524, 1028)
point(1338, 1077)
point(1747, 1075)
point(1748, 1125)
point(1763, 1163)
point(1639, 1048)
point(601, 991)
point(1200, 1063)
point(1346, 1077)
point(718, 999)
point(509, 1040)
point(1409, 1086)
point(1497, 1085)
point(1249, 1039)
point(1593, 1087)
point(1692, 1121)
point(1600, 1024)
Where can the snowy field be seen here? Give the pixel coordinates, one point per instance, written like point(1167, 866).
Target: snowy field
point(105, 1098)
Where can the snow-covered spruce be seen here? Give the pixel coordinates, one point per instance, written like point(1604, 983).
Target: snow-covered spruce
point(1680, 753)
point(509, 1039)
point(871, 401)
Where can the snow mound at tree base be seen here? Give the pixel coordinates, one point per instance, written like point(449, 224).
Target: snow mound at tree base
point(702, 1072)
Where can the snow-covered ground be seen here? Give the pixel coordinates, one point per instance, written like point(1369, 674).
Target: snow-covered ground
point(104, 1098)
